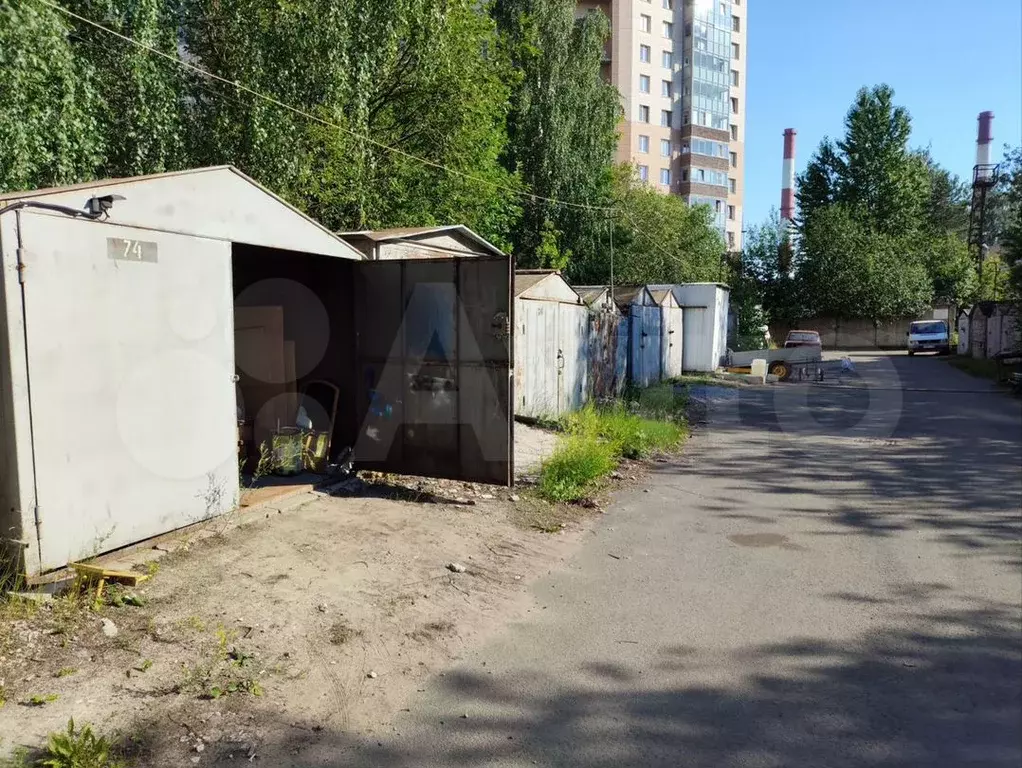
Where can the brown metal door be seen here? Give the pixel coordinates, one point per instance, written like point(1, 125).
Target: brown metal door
point(434, 368)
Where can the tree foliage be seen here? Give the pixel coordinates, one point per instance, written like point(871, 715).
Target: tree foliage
point(48, 103)
point(853, 271)
point(140, 107)
point(657, 238)
point(364, 114)
point(562, 124)
point(881, 226)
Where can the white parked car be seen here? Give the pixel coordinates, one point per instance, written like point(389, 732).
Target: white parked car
point(929, 336)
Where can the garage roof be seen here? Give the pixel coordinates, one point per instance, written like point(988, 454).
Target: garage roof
point(544, 284)
point(422, 234)
point(219, 203)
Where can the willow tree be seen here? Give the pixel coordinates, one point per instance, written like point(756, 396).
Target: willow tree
point(393, 94)
point(561, 127)
point(49, 127)
point(141, 96)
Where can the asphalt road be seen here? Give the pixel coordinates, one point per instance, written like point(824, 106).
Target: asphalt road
point(830, 576)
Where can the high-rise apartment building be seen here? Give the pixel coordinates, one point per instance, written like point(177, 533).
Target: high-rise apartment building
point(679, 66)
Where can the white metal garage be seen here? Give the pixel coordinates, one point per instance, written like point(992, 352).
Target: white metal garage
point(551, 345)
point(119, 418)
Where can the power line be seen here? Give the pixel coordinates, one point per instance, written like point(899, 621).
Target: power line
point(368, 139)
point(309, 116)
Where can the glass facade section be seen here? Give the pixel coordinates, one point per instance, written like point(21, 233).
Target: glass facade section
point(711, 64)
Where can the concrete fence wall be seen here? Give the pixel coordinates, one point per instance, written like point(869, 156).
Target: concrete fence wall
point(838, 333)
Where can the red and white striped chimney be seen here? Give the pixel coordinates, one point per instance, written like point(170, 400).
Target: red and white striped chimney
point(788, 180)
point(984, 172)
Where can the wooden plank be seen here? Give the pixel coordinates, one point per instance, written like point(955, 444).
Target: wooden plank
point(95, 572)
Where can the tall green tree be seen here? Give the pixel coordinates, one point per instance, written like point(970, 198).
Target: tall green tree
point(657, 238)
point(817, 186)
point(946, 211)
point(561, 126)
point(948, 264)
point(49, 128)
point(141, 95)
point(1011, 229)
point(766, 261)
point(849, 270)
point(388, 82)
point(871, 170)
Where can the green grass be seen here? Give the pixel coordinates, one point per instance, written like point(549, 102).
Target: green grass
point(598, 437)
point(575, 468)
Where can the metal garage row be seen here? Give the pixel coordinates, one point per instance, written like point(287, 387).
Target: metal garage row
point(551, 345)
point(124, 372)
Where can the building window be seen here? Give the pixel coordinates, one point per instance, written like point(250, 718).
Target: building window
point(736, 24)
point(734, 132)
point(665, 148)
point(665, 176)
point(685, 149)
point(734, 105)
point(732, 185)
point(684, 174)
point(709, 176)
point(735, 51)
point(666, 89)
point(686, 118)
point(643, 113)
point(643, 173)
point(667, 59)
point(645, 23)
point(730, 239)
point(734, 77)
point(644, 54)
point(665, 118)
point(668, 4)
point(644, 144)
point(644, 83)
point(734, 159)
point(668, 30)
point(731, 212)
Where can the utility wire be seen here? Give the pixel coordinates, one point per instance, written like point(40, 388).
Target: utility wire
point(309, 116)
point(368, 139)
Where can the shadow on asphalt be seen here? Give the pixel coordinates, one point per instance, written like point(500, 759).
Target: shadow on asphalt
point(946, 463)
point(928, 687)
point(942, 692)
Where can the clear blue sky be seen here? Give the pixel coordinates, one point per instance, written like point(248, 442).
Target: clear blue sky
point(947, 61)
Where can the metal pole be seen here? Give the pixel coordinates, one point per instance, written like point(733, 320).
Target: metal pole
point(611, 259)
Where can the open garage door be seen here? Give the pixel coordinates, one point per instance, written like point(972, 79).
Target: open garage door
point(434, 367)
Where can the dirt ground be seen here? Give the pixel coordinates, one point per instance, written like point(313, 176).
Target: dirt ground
point(257, 632)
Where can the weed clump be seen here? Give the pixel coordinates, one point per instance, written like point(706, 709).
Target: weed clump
point(599, 436)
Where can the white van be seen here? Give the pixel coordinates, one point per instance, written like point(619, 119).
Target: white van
point(929, 336)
